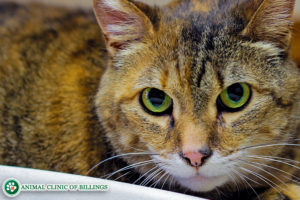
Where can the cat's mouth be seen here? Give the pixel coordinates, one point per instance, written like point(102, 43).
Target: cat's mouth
point(203, 179)
point(200, 177)
point(202, 183)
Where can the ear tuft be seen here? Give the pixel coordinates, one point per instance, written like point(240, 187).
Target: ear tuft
point(121, 23)
point(272, 22)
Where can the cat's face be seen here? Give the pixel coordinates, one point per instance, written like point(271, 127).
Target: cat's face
point(195, 94)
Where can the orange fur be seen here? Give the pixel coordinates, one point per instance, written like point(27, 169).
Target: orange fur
point(70, 97)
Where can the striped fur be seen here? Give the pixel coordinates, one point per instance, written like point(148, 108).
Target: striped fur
point(69, 93)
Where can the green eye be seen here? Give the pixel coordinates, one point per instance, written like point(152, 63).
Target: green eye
point(234, 97)
point(155, 101)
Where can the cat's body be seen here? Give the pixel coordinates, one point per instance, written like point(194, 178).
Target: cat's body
point(51, 62)
point(56, 58)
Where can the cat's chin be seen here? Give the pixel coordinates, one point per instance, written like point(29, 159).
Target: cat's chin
point(201, 183)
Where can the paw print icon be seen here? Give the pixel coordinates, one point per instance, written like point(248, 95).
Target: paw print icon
point(11, 187)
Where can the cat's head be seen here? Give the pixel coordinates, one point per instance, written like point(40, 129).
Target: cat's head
point(196, 83)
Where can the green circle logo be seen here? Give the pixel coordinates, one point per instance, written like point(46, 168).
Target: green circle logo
point(11, 187)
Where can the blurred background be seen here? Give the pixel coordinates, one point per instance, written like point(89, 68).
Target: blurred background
point(84, 3)
point(87, 4)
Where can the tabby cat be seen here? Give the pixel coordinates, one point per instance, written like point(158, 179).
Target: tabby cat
point(198, 96)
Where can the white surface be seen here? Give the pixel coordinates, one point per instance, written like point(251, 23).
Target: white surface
point(117, 190)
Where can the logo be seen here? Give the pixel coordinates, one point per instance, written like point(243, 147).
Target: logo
point(11, 187)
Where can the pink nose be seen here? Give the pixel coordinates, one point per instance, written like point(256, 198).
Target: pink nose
point(197, 158)
point(194, 158)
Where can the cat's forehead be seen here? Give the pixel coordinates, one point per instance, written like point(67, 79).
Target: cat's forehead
point(208, 17)
point(185, 7)
point(208, 47)
point(207, 9)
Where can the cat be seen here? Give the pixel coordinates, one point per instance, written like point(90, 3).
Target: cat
point(198, 96)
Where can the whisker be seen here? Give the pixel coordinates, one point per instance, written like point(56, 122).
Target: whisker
point(153, 168)
point(171, 183)
point(277, 170)
point(142, 163)
point(243, 179)
point(186, 190)
point(267, 145)
point(245, 176)
point(118, 156)
point(258, 157)
point(154, 176)
point(165, 181)
point(150, 176)
point(159, 171)
point(234, 181)
point(261, 177)
point(259, 168)
point(219, 193)
point(121, 176)
point(286, 159)
point(156, 182)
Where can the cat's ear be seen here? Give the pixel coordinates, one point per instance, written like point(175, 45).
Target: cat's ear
point(122, 23)
point(271, 22)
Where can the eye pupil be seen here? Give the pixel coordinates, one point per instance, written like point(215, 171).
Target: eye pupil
point(235, 92)
point(156, 102)
point(234, 98)
point(156, 97)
